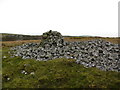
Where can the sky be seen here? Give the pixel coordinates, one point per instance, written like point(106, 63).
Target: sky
point(69, 17)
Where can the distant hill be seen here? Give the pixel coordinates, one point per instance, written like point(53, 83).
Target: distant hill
point(15, 37)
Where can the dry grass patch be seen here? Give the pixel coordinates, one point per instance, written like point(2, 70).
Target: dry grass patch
point(71, 39)
point(112, 40)
point(15, 43)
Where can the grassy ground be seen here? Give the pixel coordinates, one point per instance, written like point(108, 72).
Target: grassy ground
point(57, 73)
point(14, 43)
point(113, 40)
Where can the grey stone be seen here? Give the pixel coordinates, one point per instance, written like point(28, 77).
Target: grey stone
point(4, 57)
point(93, 53)
point(8, 79)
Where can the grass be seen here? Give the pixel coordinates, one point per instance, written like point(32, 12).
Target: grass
point(57, 73)
point(15, 43)
point(112, 40)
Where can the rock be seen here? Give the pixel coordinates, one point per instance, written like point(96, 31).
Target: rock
point(8, 79)
point(32, 73)
point(4, 57)
point(23, 72)
point(53, 38)
point(93, 53)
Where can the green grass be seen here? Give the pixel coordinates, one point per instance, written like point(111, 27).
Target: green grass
point(57, 73)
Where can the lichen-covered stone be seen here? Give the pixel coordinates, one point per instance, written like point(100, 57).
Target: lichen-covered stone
point(52, 38)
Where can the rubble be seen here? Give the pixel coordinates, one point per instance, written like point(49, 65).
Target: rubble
point(93, 53)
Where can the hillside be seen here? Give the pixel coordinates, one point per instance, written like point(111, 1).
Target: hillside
point(55, 73)
point(15, 37)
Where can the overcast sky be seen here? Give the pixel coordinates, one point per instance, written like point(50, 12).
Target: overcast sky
point(70, 17)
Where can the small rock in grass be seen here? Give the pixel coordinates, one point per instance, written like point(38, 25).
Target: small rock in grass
point(8, 79)
point(32, 73)
point(4, 57)
point(25, 73)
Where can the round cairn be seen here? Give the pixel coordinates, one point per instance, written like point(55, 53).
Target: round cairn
point(52, 38)
point(93, 53)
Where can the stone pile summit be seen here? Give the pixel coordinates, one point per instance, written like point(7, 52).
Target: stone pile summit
point(93, 53)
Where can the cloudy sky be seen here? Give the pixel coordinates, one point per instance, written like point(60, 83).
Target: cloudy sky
point(70, 17)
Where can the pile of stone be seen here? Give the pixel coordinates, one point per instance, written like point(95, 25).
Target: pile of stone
point(94, 53)
point(52, 38)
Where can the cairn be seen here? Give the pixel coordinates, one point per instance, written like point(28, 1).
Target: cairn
point(93, 53)
point(52, 38)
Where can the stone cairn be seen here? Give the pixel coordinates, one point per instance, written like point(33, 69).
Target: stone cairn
point(93, 53)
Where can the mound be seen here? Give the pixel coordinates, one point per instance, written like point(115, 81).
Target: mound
point(94, 53)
